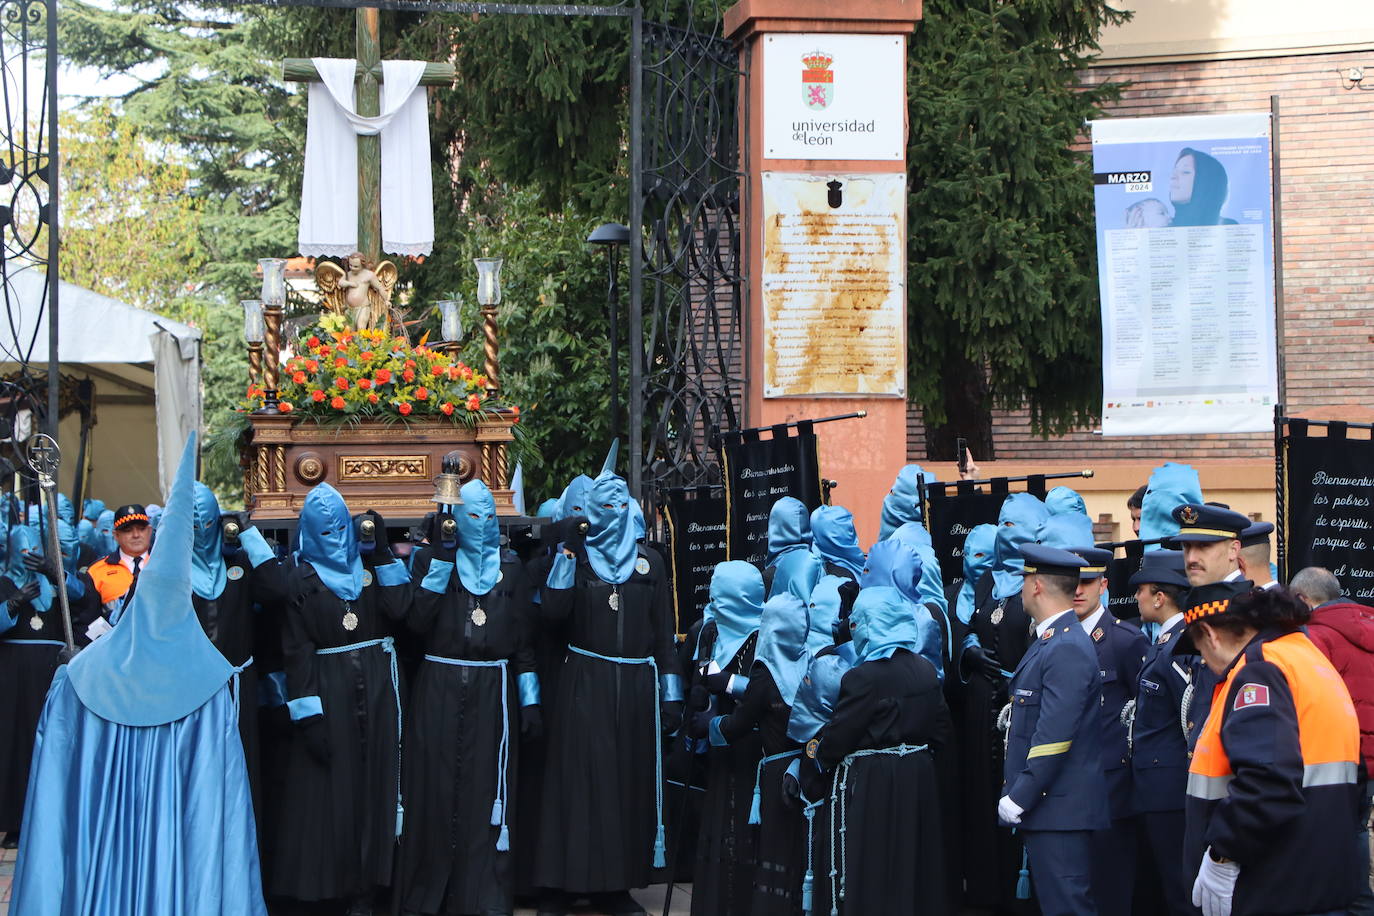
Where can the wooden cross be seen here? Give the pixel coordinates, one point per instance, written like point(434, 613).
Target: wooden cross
point(368, 103)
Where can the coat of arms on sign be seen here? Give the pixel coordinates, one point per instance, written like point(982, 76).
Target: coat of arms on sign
point(818, 80)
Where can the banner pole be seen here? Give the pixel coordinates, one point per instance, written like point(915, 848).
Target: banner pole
point(1276, 195)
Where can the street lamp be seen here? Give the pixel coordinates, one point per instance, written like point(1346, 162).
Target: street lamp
point(612, 236)
point(252, 335)
point(273, 310)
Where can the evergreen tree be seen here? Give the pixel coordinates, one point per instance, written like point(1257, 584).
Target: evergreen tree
point(1003, 293)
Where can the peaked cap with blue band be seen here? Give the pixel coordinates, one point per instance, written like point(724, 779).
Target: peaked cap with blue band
point(883, 621)
point(1206, 523)
point(479, 539)
point(157, 665)
point(818, 693)
point(1170, 486)
point(209, 575)
point(932, 583)
point(736, 607)
point(25, 539)
point(1018, 523)
point(1162, 567)
point(902, 503)
point(1096, 560)
point(1037, 559)
point(978, 559)
point(782, 643)
point(328, 542)
point(789, 527)
point(833, 538)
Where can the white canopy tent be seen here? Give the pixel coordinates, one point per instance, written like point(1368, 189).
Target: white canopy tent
point(146, 372)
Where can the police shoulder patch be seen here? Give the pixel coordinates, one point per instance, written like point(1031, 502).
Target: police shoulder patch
point(642, 566)
point(811, 747)
point(1251, 695)
point(1165, 638)
point(367, 577)
point(235, 573)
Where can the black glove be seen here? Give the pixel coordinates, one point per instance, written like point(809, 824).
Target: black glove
point(572, 533)
point(980, 659)
point(718, 683)
point(791, 788)
point(670, 715)
point(316, 739)
point(380, 554)
point(435, 536)
point(698, 698)
point(700, 725)
point(23, 596)
point(848, 592)
point(531, 722)
point(41, 565)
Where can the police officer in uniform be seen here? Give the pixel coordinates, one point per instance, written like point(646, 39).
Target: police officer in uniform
point(1159, 749)
point(116, 576)
point(1054, 790)
point(1121, 650)
point(1254, 554)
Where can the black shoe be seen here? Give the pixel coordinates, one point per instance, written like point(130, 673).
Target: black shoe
point(11, 841)
point(617, 903)
point(552, 903)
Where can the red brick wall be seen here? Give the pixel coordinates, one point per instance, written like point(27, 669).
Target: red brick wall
point(1326, 138)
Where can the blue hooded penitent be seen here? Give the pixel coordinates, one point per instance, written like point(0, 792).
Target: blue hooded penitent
point(208, 572)
point(824, 611)
point(833, 538)
point(547, 509)
point(154, 515)
point(611, 549)
point(1018, 523)
point(1066, 531)
point(329, 543)
point(637, 519)
point(71, 545)
point(895, 564)
point(789, 528)
point(573, 502)
point(882, 623)
point(736, 606)
point(796, 573)
point(92, 508)
point(139, 739)
point(24, 540)
point(816, 696)
point(902, 503)
point(65, 510)
point(479, 538)
point(978, 559)
point(782, 643)
point(1064, 501)
point(932, 584)
point(1171, 485)
point(105, 543)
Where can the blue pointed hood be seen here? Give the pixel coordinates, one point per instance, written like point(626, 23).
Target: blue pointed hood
point(154, 515)
point(883, 622)
point(824, 610)
point(547, 509)
point(816, 695)
point(92, 508)
point(789, 527)
point(209, 575)
point(85, 533)
point(782, 643)
point(479, 538)
point(978, 559)
point(105, 543)
point(796, 573)
point(574, 499)
point(833, 538)
point(24, 539)
point(1070, 529)
point(1018, 523)
point(70, 543)
point(932, 584)
point(611, 548)
point(637, 520)
point(65, 510)
point(1065, 500)
point(736, 606)
point(328, 542)
point(894, 564)
point(157, 665)
point(1170, 486)
point(902, 503)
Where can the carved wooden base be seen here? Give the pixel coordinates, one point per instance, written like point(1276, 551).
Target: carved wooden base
point(389, 467)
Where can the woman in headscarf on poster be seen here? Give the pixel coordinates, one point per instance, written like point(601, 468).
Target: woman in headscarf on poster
point(1198, 187)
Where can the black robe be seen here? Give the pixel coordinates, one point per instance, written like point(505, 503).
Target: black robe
point(25, 673)
point(887, 805)
point(727, 846)
point(782, 830)
point(337, 824)
point(597, 828)
point(449, 859)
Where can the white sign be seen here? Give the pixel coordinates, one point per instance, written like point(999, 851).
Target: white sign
point(834, 284)
point(828, 96)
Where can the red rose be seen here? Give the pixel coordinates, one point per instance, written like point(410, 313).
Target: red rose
point(410, 364)
point(312, 365)
point(474, 402)
point(408, 375)
point(421, 393)
point(372, 399)
point(383, 376)
point(364, 383)
point(336, 402)
point(341, 383)
point(366, 355)
point(453, 373)
point(313, 341)
point(284, 406)
point(340, 362)
point(298, 378)
point(436, 371)
point(404, 409)
point(317, 395)
point(447, 409)
point(515, 414)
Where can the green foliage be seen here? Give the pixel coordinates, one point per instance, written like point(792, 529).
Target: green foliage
point(1001, 267)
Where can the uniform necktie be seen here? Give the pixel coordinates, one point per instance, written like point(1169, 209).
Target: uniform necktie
point(129, 595)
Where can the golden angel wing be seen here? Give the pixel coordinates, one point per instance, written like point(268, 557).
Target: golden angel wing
point(327, 277)
point(386, 274)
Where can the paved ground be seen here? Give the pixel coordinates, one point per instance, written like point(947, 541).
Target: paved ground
point(652, 898)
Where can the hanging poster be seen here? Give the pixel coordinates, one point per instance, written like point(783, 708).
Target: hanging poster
point(1186, 274)
point(697, 542)
point(1328, 507)
point(759, 472)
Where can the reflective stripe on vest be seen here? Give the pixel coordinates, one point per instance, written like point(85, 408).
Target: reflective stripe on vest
point(1328, 731)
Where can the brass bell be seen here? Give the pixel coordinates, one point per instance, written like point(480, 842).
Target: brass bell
point(448, 482)
point(368, 529)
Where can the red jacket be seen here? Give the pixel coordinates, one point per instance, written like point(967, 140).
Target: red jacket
point(1344, 631)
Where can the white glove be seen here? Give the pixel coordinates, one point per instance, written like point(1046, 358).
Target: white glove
point(1009, 811)
point(1215, 886)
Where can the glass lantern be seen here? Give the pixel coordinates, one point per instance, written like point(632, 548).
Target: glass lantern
point(253, 330)
point(488, 281)
point(273, 281)
point(450, 321)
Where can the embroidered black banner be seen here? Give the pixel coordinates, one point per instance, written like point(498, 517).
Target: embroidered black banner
point(760, 471)
point(1327, 505)
point(696, 536)
point(952, 510)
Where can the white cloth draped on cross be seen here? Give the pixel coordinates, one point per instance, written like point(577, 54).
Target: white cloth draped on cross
point(329, 196)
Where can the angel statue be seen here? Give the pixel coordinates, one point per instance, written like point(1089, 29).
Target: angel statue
point(362, 294)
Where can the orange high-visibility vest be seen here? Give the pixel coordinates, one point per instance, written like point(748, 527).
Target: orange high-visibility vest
point(111, 580)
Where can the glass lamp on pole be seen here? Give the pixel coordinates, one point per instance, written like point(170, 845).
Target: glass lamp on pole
point(489, 297)
point(253, 331)
point(450, 325)
point(612, 236)
point(273, 310)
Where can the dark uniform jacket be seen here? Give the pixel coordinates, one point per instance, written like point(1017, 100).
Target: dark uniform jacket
point(1121, 650)
point(1053, 765)
point(1159, 750)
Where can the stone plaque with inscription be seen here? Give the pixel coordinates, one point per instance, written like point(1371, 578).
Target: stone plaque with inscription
point(834, 285)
